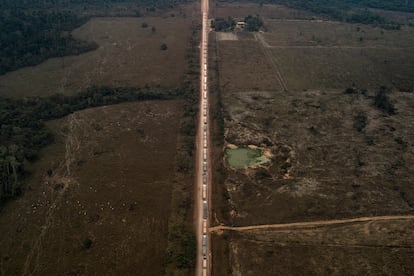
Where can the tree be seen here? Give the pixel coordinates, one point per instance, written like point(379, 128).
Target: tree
point(382, 101)
point(163, 47)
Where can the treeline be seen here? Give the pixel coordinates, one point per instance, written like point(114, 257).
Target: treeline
point(352, 11)
point(23, 132)
point(28, 38)
point(393, 5)
point(221, 24)
point(53, 4)
point(35, 30)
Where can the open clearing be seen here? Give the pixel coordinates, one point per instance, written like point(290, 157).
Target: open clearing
point(283, 90)
point(113, 171)
point(128, 55)
point(374, 248)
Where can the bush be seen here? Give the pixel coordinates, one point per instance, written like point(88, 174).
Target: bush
point(382, 101)
point(360, 121)
point(144, 25)
point(87, 243)
point(163, 47)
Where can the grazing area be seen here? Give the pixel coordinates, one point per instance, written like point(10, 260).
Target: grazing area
point(93, 202)
point(128, 55)
point(358, 249)
point(333, 105)
point(106, 187)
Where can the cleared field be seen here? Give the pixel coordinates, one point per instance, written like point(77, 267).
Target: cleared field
point(337, 55)
point(333, 170)
point(245, 67)
point(360, 249)
point(334, 155)
point(129, 55)
point(340, 68)
point(241, 10)
point(104, 206)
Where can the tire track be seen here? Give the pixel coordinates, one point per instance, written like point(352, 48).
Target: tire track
point(309, 224)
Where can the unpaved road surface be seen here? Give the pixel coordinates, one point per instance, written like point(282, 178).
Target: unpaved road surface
point(310, 224)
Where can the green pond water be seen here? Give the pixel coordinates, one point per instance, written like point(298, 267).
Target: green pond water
point(242, 157)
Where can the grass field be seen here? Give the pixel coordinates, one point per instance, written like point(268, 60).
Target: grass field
point(111, 182)
point(241, 10)
point(283, 90)
point(128, 55)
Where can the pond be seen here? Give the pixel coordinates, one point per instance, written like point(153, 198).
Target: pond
point(245, 157)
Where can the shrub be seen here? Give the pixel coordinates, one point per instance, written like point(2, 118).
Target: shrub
point(163, 47)
point(382, 101)
point(360, 121)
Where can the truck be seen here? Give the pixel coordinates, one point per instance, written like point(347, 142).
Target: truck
point(204, 191)
point(205, 209)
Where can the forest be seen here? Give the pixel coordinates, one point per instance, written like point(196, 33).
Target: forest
point(28, 38)
point(23, 132)
point(35, 30)
point(352, 11)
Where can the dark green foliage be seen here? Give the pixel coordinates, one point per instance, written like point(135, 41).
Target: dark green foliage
point(223, 25)
point(35, 30)
point(163, 47)
point(23, 132)
point(352, 11)
point(28, 38)
point(253, 23)
point(383, 102)
point(360, 121)
point(87, 243)
point(187, 258)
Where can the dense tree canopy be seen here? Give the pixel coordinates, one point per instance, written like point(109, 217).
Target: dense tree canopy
point(353, 11)
point(28, 38)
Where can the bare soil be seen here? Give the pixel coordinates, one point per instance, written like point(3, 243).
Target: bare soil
point(105, 207)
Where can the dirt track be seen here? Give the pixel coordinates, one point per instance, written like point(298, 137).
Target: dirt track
point(310, 224)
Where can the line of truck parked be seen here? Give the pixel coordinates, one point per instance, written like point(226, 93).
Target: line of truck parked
point(205, 129)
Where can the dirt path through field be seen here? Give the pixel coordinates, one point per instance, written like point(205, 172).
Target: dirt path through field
point(310, 224)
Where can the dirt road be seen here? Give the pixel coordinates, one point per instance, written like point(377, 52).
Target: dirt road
point(310, 224)
point(203, 171)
